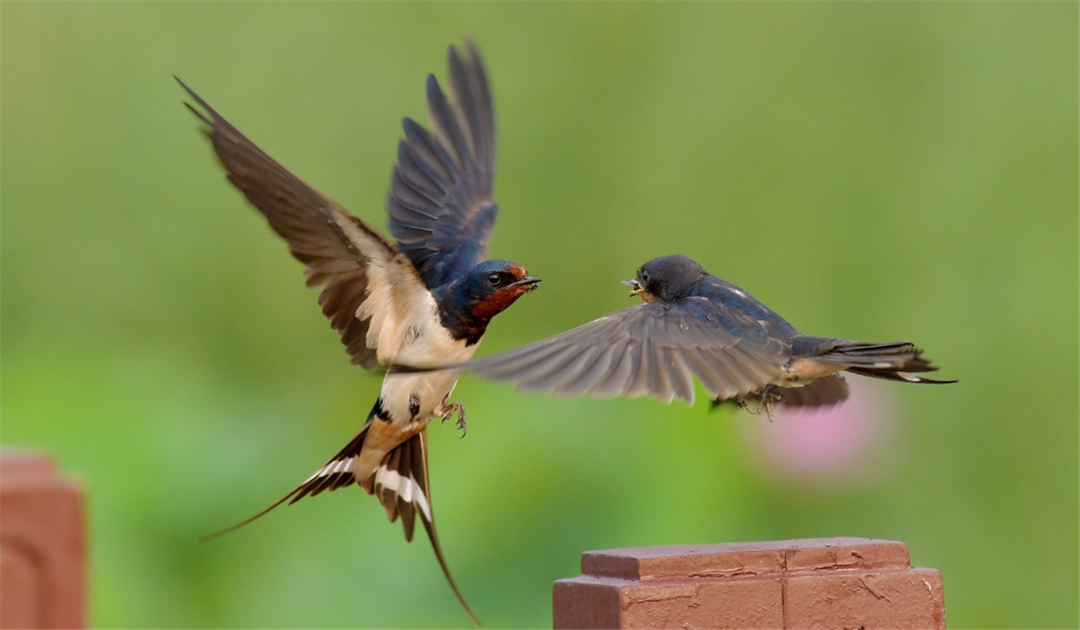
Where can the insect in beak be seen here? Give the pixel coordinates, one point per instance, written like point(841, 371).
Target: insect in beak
point(633, 284)
point(529, 282)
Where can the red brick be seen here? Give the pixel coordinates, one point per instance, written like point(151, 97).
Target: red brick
point(682, 561)
point(727, 603)
point(42, 546)
point(586, 603)
point(846, 553)
point(811, 583)
point(905, 598)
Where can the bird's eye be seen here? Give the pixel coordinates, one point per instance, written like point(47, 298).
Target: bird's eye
point(493, 279)
point(645, 276)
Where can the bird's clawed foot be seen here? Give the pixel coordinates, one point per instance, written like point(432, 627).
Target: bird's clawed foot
point(741, 402)
point(766, 400)
point(769, 398)
point(451, 409)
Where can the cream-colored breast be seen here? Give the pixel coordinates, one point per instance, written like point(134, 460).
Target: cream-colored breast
point(428, 346)
point(425, 390)
point(404, 329)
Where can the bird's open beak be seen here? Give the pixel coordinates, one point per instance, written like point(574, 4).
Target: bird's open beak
point(529, 282)
point(633, 284)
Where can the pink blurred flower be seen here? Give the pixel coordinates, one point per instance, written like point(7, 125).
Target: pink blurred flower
point(824, 444)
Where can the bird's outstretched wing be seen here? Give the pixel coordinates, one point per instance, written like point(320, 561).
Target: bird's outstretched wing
point(440, 204)
point(401, 483)
point(649, 349)
point(370, 285)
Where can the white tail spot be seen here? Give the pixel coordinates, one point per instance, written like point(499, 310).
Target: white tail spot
point(406, 488)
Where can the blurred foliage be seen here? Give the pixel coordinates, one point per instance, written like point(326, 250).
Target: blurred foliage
point(871, 170)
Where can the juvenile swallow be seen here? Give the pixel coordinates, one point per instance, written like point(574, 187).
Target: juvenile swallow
point(693, 323)
point(425, 301)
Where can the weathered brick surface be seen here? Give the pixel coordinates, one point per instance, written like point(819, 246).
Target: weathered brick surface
point(587, 603)
point(682, 561)
point(810, 583)
point(724, 603)
point(909, 598)
point(42, 546)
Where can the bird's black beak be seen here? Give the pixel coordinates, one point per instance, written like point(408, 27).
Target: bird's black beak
point(635, 285)
point(528, 281)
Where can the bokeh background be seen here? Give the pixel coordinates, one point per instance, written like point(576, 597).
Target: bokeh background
point(870, 170)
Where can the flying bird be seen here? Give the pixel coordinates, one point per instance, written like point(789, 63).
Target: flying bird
point(695, 324)
point(425, 301)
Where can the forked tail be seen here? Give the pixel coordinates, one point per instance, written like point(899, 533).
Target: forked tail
point(894, 361)
point(400, 482)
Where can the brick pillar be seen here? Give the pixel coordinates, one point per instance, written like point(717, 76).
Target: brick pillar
point(811, 583)
point(42, 546)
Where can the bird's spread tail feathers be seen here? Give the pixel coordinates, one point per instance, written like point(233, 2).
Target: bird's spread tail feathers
point(400, 482)
point(893, 361)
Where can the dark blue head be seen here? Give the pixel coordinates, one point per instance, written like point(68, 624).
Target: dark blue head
point(493, 285)
point(489, 288)
point(666, 278)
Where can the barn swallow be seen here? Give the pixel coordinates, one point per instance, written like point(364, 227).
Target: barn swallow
point(425, 301)
point(693, 323)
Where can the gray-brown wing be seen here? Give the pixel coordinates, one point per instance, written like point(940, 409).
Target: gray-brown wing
point(336, 246)
point(650, 349)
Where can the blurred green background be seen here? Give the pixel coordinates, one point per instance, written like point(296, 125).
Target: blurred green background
point(875, 171)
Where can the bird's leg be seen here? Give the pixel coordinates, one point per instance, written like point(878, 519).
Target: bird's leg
point(767, 400)
point(741, 402)
point(461, 418)
point(445, 411)
point(745, 403)
point(769, 397)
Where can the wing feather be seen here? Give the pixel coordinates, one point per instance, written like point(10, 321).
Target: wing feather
point(553, 370)
point(748, 366)
point(614, 381)
point(656, 372)
point(679, 374)
point(650, 349)
point(638, 380)
point(362, 273)
point(711, 374)
point(440, 204)
point(596, 364)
